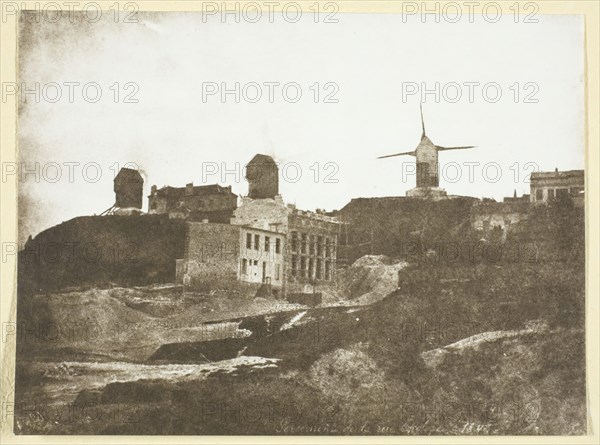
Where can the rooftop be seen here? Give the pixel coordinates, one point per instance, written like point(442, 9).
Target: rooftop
point(191, 190)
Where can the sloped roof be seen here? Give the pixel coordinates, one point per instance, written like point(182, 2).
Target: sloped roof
point(129, 175)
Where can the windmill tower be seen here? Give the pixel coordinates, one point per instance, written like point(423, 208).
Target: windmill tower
point(426, 155)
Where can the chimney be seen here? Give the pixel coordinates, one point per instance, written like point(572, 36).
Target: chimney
point(153, 189)
point(189, 189)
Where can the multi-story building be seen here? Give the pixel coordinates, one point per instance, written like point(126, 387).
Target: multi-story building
point(223, 256)
point(310, 237)
point(312, 248)
point(267, 243)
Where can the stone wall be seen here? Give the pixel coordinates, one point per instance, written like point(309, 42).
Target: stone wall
point(487, 216)
point(264, 214)
point(212, 253)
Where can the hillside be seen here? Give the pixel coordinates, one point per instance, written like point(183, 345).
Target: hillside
point(386, 226)
point(98, 251)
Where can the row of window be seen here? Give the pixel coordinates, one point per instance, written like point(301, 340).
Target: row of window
point(315, 245)
point(253, 241)
point(558, 193)
point(312, 268)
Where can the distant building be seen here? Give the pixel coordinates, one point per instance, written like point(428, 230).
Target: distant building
point(195, 203)
point(545, 187)
point(515, 198)
point(489, 214)
point(129, 189)
point(549, 186)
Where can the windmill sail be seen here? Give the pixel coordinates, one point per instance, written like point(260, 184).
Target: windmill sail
point(411, 153)
point(440, 148)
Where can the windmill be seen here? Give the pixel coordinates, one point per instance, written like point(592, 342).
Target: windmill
point(427, 164)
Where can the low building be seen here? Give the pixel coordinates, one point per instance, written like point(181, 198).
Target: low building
point(227, 256)
point(550, 186)
point(195, 203)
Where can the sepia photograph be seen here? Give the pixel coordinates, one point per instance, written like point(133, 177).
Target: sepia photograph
point(298, 219)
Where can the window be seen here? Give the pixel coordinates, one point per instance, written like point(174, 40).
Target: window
point(550, 194)
point(327, 247)
point(294, 265)
point(311, 268)
point(277, 271)
point(303, 243)
point(248, 241)
point(328, 270)
point(264, 270)
point(303, 267)
point(539, 195)
point(267, 243)
point(319, 272)
point(319, 246)
point(277, 245)
point(294, 241)
point(244, 266)
point(256, 242)
point(311, 244)
point(562, 193)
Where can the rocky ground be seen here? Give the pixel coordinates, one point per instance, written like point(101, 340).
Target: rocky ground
point(372, 359)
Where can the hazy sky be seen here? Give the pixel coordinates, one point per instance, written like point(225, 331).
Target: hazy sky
point(369, 61)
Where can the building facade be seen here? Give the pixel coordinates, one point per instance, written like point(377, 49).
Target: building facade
point(195, 203)
point(266, 244)
point(310, 247)
point(550, 186)
point(312, 252)
point(223, 256)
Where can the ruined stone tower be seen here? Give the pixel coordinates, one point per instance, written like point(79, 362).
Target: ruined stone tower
point(129, 188)
point(262, 174)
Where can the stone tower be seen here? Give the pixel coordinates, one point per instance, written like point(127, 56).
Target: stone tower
point(129, 188)
point(262, 174)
